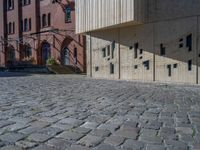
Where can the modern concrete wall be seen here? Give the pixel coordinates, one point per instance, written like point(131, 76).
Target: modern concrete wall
point(171, 34)
point(161, 25)
point(159, 10)
point(132, 67)
point(103, 62)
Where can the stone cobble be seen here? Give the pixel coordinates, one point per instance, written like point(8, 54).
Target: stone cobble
point(60, 112)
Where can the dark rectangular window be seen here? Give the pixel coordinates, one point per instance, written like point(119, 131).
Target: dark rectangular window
point(96, 68)
point(175, 65)
point(189, 65)
point(136, 45)
point(169, 67)
point(189, 42)
point(141, 51)
point(112, 68)
point(146, 64)
point(180, 45)
point(104, 52)
point(6, 28)
point(162, 50)
point(113, 48)
point(75, 52)
point(108, 50)
point(136, 67)
point(44, 20)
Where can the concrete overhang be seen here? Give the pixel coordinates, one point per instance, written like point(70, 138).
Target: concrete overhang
point(93, 15)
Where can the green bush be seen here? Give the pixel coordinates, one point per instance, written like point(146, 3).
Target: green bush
point(51, 61)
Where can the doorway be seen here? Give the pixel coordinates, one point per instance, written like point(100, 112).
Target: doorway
point(46, 52)
point(66, 56)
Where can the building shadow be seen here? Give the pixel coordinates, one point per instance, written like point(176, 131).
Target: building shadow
point(14, 74)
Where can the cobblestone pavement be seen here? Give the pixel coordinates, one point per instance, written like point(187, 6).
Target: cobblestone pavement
point(49, 112)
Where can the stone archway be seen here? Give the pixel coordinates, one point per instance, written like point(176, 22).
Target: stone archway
point(66, 52)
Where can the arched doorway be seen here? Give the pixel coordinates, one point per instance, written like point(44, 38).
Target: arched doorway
point(66, 56)
point(46, 52)
point(66, 51)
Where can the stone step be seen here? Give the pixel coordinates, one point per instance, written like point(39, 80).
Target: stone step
point(60, 69)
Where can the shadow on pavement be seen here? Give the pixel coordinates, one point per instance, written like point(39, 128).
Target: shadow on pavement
point(14, 74)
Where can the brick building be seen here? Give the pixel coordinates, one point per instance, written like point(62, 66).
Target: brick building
point(35, 30)
point(154, 40)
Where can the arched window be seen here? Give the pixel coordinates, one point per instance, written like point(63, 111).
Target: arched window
point(13, 28)
point(44, 20)
point(10, 4)
point(25, 2)
point(30, 25)
point(10, 28)
point(68, 14)
point(49, 19)
point(25, 24)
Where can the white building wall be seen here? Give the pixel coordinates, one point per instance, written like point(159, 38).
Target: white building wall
point(100, 14)
point(97, 14)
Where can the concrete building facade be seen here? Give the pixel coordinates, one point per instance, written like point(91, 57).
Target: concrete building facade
point(37, 30)
point(150, 40)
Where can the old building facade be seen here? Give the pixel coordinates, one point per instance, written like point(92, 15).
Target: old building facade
point(150, 40)
point(36, 30)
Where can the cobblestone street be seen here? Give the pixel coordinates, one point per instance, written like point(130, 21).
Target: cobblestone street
point(57, 112)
